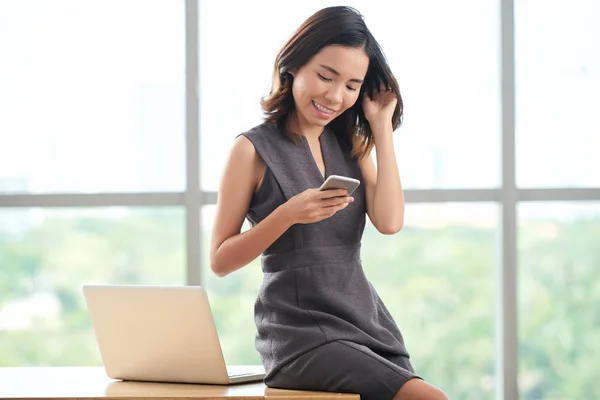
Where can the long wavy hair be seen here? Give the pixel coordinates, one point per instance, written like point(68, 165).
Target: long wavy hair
point(343, 26)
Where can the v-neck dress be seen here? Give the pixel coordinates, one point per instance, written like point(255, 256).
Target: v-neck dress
point(320, 323)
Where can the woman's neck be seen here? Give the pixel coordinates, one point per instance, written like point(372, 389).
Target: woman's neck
point(300, 126)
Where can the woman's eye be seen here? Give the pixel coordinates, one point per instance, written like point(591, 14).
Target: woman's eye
point(324, 78)
point(351, 88)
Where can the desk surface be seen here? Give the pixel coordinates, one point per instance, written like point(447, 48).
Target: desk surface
point(92, 383)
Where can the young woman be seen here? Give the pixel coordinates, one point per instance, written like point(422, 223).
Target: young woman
point(321, 324)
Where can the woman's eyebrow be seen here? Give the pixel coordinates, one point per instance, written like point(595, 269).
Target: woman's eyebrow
point(333, 71)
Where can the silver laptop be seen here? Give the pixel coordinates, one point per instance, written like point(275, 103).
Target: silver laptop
point(161, 334)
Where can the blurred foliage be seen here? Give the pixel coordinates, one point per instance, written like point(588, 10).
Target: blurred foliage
point(439, 284)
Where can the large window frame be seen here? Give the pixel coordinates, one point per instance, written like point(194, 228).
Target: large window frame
point(507, 197)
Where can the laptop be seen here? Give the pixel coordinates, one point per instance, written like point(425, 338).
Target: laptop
point(161, 334)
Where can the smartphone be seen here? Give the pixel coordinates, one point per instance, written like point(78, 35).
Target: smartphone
point(340, 182)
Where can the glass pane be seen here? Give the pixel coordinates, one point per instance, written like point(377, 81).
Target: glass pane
point(557, 92)
point(559, 300)
point(437, 279)
point(451, 91)
point(46, 255)
point(232, 300)
point(92, 99)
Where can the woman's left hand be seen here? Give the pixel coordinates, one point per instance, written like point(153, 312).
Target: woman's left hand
point(379, 109)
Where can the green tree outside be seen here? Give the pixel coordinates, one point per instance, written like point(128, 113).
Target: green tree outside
point(439, 284)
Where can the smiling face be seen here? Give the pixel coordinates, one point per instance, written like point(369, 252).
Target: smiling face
point(328, 84)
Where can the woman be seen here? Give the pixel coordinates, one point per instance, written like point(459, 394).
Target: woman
point(321, 325)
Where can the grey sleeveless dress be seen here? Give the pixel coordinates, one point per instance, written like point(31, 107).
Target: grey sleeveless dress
point(320, 323)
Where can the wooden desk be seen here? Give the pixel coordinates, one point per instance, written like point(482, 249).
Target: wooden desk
point(92, 383)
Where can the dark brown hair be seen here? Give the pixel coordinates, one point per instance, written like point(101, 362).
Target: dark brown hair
point(343, 26)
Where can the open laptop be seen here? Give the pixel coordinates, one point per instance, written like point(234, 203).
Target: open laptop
point(161, 334)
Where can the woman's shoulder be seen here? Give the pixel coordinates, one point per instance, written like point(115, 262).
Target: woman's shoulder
point(261, 130)
point(256, 141)
point(245, 153)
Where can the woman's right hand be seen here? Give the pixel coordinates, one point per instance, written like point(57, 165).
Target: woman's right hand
point(314, 205)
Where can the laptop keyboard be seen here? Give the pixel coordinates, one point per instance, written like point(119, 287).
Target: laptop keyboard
point(233, 371)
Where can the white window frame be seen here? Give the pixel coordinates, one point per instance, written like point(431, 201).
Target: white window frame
point(508, 196)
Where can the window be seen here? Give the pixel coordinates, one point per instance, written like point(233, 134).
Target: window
point(446, 62)
point(93, 121)
point(557, 93)
point(232, 301)
point(559, 300)
point(436, 278)
point(92, 99)
point(46, 255)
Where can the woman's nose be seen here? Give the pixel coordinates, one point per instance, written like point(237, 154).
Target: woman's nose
point(334, 94)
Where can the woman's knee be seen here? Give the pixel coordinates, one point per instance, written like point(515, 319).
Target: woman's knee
point(417, 389)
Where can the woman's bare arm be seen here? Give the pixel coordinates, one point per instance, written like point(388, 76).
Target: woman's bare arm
point(230, 250)
point(385, 198)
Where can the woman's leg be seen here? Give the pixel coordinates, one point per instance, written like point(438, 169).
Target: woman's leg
point(343, 366)
point(416, 389)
